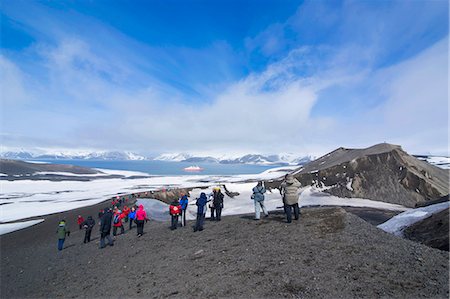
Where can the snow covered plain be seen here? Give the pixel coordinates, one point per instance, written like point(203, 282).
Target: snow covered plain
point(23, 199)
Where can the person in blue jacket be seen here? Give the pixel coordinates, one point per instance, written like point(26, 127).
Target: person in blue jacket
point(201, 211)
point(132, 216)
point(183, 203)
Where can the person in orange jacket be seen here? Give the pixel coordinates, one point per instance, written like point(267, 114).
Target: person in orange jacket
point(175, 211)
point(126, 211)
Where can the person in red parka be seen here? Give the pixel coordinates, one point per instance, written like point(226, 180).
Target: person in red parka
point(80, 221)
point(117, 222)
point(126, 211)
point(141, 216)
point(175, 211)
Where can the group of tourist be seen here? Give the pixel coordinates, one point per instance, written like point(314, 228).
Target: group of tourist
point(115, 218)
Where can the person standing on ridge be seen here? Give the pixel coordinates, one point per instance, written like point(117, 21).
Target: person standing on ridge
point(289, 191)
point(211, 205)
point(184, 204)
point(175, 211)
point(126, 212)
point(132, 216)
point(88, 225)
point(105, 228)
point(141, 216)
point(218, 202)
point(117, 222)
point(201, 211)
point(80, 221)
point(62, 231)
point(258, 198)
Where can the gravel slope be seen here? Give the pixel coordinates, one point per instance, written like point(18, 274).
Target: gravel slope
point(328, 253)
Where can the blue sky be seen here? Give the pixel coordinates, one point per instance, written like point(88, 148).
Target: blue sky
point(224, 76)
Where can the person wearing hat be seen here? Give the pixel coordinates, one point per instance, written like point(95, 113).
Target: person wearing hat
point(218, 202)
point(289, 191)
point(258, 198)
point(62, 231)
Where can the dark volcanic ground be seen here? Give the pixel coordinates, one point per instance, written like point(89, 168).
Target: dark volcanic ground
point(328, 253)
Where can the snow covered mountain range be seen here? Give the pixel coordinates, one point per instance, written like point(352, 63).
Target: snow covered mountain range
point(284, 159)
point(280, 159)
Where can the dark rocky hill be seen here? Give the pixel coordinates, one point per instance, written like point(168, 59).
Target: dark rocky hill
point(20, 170)
point(327, 253)
point(15, 167)
point(383, 172)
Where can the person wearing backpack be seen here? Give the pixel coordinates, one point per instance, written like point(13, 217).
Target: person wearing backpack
point(62, 231)
point(218, 202)
point(175, 211)
point(117, 222)
point(88, 224)
point(184, 204)
point(258, 198)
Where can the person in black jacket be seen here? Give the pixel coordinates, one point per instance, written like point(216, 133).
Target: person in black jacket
point(218, 202)
point(88, 224)
point(105, 228)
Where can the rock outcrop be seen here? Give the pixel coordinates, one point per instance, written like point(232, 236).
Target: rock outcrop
point(383, 172)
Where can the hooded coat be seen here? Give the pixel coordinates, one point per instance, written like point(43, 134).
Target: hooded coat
point(184, 202)
point(201, 204)
point(141, 214)
point(218, 199)
point(62, 230)
point(258, 192)
point(105, 222)
point(289, 190)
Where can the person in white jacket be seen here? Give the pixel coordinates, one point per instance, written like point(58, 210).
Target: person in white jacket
point(258, 198)
point(289, 191)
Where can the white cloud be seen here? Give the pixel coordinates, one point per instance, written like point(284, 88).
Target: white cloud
point(107, 91)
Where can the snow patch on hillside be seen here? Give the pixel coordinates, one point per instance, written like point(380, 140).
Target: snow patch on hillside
point(396, 225)
point(10, 227)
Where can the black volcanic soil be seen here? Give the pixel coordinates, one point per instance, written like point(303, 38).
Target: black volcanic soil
point(328, 253)
point(432, 231)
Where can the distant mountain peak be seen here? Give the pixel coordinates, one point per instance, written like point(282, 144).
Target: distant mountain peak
point(72, 155)
point(283, 159)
